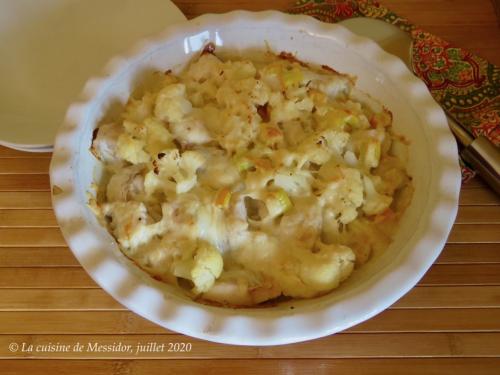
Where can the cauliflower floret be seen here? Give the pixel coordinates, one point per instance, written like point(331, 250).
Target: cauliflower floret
point(294, 182)
point(137, 110)
point(257, 90)
point(135, 130)
point(131, 224)
point(211, 226)
point(320, 147)
point(171, 103)
point(104, 144)
point(153, 183)
point(240, 133)
point(190, 131)
point(374, 203)
point(283, 110)
point(342, 192)
point(239, 70)
point(131, 149)
point(151, 134)
point(127, 183)
point(335, 141)
point(308, 274)
point(207, 267)
point(299, 95)
point(182, 213)
point(219, 172)
point(243, 92)
point(241, 287)
point(186, 178)
point(202, 266)
point(229, 97)
point(174, 167)
point(158, 137)
point(207, 66)
point(333, 85)
point(300, 272)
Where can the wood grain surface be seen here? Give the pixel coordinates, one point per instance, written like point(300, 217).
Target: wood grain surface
point(448, 323)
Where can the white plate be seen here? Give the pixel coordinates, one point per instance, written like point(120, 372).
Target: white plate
point(27, 149)
point(378, 284)
point(391, 38)
point(49, 48)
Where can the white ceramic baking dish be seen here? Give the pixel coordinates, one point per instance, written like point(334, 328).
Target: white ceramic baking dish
point(377, 285)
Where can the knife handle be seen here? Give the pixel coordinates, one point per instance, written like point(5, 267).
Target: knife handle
point(484, 157)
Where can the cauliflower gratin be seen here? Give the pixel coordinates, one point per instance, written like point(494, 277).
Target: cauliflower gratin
point(242, 181)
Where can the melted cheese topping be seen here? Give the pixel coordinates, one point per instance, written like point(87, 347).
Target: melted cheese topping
point(245, 181)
